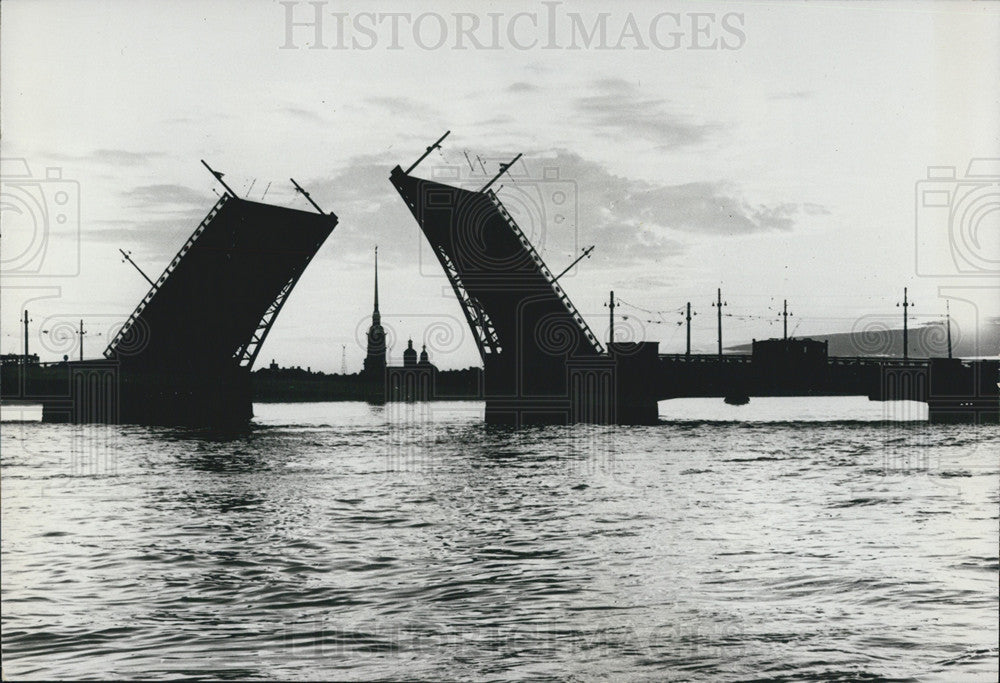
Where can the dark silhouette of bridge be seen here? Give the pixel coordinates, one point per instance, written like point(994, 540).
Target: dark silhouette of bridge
point(542, 363)
point(185, 353)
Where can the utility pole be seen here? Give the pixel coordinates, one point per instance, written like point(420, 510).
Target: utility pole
point(906, 347)
point(719, 303)
point(611, 308)
point(688, 351)
point(26, 337)
point(343, 359)
point(947, 305)
point(785, 314)
point(81, 339)
point(906, 304)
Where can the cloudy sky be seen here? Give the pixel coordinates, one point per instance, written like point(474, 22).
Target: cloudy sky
point(770, 149)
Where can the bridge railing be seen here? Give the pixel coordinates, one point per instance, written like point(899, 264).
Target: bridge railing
point(109, 351)
point(732, 358)
point(877, 361)
point(570, 308)
point(848, 361)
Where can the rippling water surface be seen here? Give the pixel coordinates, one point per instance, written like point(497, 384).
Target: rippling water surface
point(345, 541)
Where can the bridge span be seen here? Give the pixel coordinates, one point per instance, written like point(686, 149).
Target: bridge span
point(184, 354)
point(955, 390)
point(543, 364)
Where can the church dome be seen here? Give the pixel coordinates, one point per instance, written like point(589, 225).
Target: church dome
point(410, 355)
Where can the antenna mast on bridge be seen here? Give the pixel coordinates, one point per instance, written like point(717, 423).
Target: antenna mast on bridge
point(430, 149)
point(218, 176)
point(128, 257)
point(503, 169)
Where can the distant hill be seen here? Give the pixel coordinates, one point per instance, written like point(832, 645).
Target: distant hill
point(924, 342)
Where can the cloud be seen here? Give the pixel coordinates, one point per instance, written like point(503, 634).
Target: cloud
point(111, 157)
point(399, 105)
point(707, 208)
point(619, 106)
point(369, 209)
point(154, 240)
point(521, 86)
point(791, 95)
point(631, 221)
point(646, 218)
point(303, 114)
point(501, 120)
point(165, 196)
point(156, 221)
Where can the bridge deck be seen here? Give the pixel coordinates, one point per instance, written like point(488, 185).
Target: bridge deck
point(936, 381)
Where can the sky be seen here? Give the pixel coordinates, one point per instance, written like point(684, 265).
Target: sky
point(771, 150)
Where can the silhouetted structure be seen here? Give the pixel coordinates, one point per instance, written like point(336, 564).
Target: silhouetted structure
point(374, 368)
point(543, 364)
point(790, 360)
point(409, 355)
point(416, 380)
point(278, 384)
point(185, 353)
point(955, 390)
point(19, 359)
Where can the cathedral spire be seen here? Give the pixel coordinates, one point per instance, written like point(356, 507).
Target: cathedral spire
point(376, 317)
point(375, 360)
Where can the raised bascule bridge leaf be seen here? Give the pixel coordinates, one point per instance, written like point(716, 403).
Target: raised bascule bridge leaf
point(542, 363)
point(184, 354)
point(216, 301)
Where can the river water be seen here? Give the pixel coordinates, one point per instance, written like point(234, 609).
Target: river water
point(810, 540)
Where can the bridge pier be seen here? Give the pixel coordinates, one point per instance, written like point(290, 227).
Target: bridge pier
point(963, 391)
point(618, 388)
point(106, 391)
point(219, 397)
point(541, 362)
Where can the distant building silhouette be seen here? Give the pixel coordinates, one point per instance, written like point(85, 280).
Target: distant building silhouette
point(19, 359)
point(415, 380)
point(409, 355)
